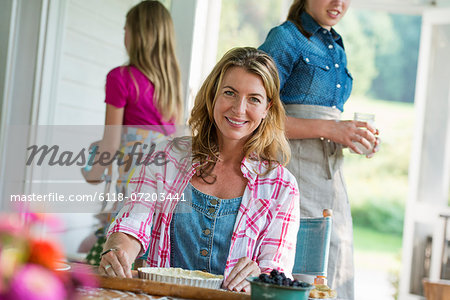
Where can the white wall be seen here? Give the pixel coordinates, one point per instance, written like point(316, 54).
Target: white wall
point(85, 41)
point(21, 49)
point(92, 44)
point(6, 9)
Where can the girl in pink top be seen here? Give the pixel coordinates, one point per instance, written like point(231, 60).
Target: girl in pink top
point(128, 89)
point(144, 95)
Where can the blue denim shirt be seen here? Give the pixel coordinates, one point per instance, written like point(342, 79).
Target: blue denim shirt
point(312, 71)
point(201, 230)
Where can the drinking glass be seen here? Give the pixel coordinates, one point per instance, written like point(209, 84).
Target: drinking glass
point(370, 119)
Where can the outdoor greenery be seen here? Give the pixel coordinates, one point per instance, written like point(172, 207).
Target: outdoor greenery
point(372, 241)
point(378, 187)
point(383, 52)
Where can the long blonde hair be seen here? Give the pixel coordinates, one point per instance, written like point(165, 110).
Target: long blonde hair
point(151, 49)
point(268, 142)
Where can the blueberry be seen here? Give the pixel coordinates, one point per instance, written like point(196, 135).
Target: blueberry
point(285, 282)
point(295, 283)
point(274, 273)
point(289, 281)
point(283, 275)
point(264, 277)
point(304, 284)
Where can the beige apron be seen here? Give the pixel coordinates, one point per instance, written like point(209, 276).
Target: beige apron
point(317, 165)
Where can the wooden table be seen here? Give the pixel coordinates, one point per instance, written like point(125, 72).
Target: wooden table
point(437, 290)
point(121, 288)
point(106, 294)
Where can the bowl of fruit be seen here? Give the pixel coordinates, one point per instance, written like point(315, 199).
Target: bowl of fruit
point(277, 286)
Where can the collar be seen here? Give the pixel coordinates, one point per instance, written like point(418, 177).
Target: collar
point(250, 168)
point(309, 23)
point(312, 27)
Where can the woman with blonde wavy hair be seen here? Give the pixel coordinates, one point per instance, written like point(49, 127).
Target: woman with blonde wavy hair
point(268, 141)
point(236, 207)
point(144, 96)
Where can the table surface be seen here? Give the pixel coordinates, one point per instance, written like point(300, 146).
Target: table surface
point(121, 288)
point(101, 293)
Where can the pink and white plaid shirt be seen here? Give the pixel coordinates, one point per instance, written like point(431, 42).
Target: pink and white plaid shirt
point(266, 225)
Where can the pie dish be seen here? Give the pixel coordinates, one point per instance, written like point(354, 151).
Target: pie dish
point(181, 276)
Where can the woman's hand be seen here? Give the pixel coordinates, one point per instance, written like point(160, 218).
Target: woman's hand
point(349, 132)
point(341, 132)
point(236, 280)
point(123, 250)
point(108, 145)
point(95, 173)
point(376, 147)
point(115, 263)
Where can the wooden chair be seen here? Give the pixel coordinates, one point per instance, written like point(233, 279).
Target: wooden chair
point(313, 245)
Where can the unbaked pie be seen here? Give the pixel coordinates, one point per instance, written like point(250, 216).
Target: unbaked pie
point(181, 276)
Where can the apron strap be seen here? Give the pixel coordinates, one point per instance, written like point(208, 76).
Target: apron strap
point(326, 154)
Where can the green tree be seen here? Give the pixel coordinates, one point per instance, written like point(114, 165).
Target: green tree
point(398, 67)
point(361, 52)
point(382, 50)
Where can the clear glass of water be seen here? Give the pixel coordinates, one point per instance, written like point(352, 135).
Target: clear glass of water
point(370, 119)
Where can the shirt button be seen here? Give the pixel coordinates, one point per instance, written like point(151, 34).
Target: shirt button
point(307, 60)
point(206, 231)
point(338, 86)
point(214, 201)
point(330, 46)
point(334, 106)
point(211, 210)
point(327, 67)
point(324, 31)
point(204, 270)
point(204, 252)
point(336, 65)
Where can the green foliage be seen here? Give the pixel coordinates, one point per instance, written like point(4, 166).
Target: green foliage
point(383, 52)
point(370, 241)
point(379, 215)
point(378, 187)
point(360, 49)
point(398, 67)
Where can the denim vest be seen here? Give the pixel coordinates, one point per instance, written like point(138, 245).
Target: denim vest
point(201, 231)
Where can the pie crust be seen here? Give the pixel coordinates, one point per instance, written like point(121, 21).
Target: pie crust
point(181, 276)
